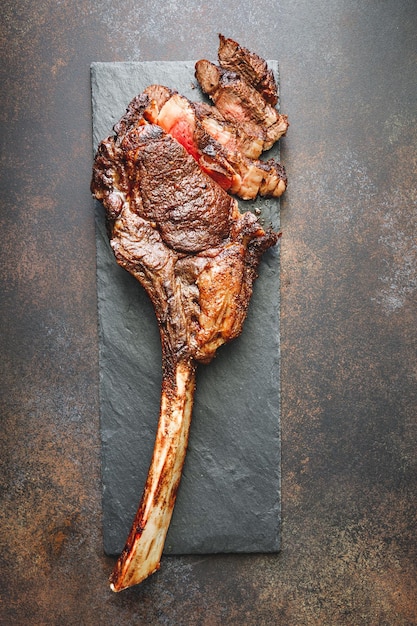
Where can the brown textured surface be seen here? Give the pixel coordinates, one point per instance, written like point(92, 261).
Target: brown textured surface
point(348, 317)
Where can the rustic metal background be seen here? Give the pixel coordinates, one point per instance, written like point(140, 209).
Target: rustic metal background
point(348, 74)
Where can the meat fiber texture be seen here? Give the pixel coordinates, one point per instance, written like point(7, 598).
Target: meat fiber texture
point(229, 497)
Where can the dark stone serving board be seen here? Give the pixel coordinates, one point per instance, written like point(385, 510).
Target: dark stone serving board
point(229, 497)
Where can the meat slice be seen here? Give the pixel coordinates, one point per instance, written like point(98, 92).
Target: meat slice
point(177, 117)
point(267, 178)
point(251, 67)
point(227, 133)
point(240, 103)
point(184, 239)
point(217, 147)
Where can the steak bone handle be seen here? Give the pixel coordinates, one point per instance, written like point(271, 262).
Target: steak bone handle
point(142, 553)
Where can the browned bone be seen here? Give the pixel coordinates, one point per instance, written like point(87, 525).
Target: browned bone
point(142, 553)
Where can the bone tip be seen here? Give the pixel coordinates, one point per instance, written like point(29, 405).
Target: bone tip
point(121, 585)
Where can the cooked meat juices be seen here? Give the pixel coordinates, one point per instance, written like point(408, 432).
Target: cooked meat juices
point(162, 178)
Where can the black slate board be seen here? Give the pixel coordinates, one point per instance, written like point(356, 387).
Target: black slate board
point(229, 497)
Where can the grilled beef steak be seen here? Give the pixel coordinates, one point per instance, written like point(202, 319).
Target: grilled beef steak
point(176, 230)
point(228, 139)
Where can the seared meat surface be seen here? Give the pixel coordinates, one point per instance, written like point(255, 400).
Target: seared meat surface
point(217, 145)
point(251, 67)
point(228, 139)
point(161, 178)
point(241, 103)
point(177, 231)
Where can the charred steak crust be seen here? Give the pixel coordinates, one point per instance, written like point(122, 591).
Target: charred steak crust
point(240, 103)
point(169, 189)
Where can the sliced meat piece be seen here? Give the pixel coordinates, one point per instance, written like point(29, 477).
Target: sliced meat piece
point(198, 131)
point(251, 67)
point(243, 152)
point(227, 133)
point(241, 104)
point(159, 93)
point(177, 117)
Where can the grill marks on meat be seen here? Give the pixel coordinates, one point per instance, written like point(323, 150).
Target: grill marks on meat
point(184, 239)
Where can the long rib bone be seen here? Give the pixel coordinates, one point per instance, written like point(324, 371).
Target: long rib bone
point(142, 553)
